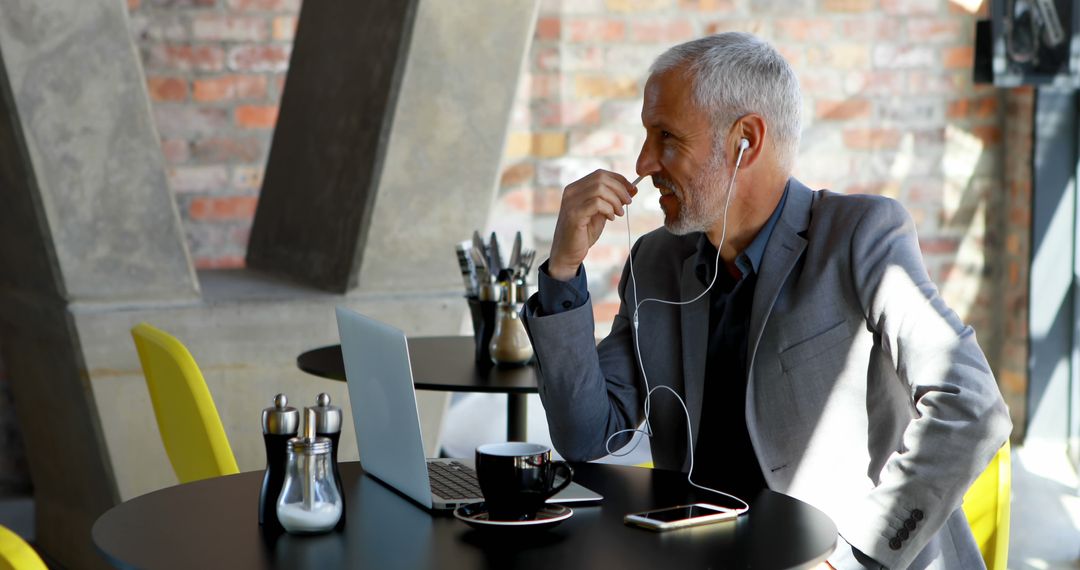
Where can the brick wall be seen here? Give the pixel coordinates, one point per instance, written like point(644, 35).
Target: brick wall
point(214, 71)
point(889, 108)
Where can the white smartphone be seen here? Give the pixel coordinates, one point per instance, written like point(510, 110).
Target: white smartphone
point(681, 517)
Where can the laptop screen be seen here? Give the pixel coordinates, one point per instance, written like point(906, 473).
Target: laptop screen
point(383, 404)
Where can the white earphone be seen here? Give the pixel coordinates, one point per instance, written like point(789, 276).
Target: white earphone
point(743, 145)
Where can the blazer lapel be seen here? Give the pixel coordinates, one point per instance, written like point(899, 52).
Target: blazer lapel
point(695, 341)
point(781, 253)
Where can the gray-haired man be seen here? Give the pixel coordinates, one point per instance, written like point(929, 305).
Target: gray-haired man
point(818, 358)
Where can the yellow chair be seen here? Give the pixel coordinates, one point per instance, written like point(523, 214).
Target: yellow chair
point(186, 416)
point(986, 505)
point(16, 554)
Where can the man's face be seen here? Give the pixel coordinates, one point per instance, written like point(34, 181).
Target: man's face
point(679, 155)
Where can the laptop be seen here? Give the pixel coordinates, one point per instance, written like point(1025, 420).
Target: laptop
point(387, 423)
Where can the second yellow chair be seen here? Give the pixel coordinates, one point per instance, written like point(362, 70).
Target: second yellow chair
point(190, 427)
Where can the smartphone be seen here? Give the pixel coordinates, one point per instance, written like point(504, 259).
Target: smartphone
point(681, 517)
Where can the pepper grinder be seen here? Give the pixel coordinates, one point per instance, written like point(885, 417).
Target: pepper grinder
point(328, 425)
point(279, 424)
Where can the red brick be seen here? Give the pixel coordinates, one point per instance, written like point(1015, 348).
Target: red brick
point(228, 149)
point(547, 200)
point(167, 88)
point(230, 87)
point(735, 25)
point(843, 110)
point(284, 28)
point(219, 262)
point(990, 135)
point(544, 85)
point(637, 6)
point(516, 174)
point(256, 116)
point(871, 139)
point(566, 113)
point(662, 31)
point(185, 58)
point(518, 200)
point(847, 6)
point(935, 29)
point(176, 151)
point(708, 5)
point(226, 28)
point(264, 5)
point(222, 207)
point(600, 143)
point(938, 245)
point(980, 108)
point(958, 57)
point(548, 28)
point(580, 30)
point(804, 29)
point(270, 57)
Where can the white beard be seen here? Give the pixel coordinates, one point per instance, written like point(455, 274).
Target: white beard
point(701, 204)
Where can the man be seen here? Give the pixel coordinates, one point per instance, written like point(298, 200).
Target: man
point(817, 359)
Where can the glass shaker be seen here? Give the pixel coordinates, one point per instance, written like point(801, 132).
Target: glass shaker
point(510, 344)
point(309, 501)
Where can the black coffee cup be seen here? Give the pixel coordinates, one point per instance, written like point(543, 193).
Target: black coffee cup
point(517, 478)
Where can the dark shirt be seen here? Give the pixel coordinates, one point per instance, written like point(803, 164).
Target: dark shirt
point(724, 449)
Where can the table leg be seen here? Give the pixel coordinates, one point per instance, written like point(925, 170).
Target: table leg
point(517, 417)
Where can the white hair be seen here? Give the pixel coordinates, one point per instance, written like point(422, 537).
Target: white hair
point(735, 73)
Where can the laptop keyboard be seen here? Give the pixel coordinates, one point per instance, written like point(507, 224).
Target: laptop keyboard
point(453, 480)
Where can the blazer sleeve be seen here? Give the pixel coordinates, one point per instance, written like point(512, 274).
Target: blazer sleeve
point(960, 417)
point(589, 392)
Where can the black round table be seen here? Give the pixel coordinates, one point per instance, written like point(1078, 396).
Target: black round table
point(213, 524)
point(446, 363)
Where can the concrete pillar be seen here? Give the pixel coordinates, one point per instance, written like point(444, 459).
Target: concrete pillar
point(85, 217)
point(388, 141)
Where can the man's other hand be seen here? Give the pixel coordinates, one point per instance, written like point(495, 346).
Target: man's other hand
point(586, 206)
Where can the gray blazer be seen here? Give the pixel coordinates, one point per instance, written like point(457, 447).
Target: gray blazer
point(867, 397)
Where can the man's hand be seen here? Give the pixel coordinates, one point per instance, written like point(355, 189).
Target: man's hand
point(824, 566)
point(586, 206)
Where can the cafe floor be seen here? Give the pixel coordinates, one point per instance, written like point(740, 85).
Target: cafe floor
point(1045, 528)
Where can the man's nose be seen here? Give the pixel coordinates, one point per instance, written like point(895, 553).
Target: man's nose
point(647, 162)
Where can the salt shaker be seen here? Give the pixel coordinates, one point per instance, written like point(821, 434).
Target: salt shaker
point(328, 425)
point(279, 424)
point(309, 502)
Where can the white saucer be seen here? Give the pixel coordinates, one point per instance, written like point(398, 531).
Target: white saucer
point(476, 515)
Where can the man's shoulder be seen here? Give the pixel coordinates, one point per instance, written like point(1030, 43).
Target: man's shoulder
point(846, 212)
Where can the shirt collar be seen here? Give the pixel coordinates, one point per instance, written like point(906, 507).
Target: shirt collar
point(749, 260)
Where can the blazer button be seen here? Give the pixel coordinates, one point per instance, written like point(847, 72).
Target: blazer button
point(567, 304)
point(902, 534)
point(894, 544)
point(917, 515)
point(909, 524)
